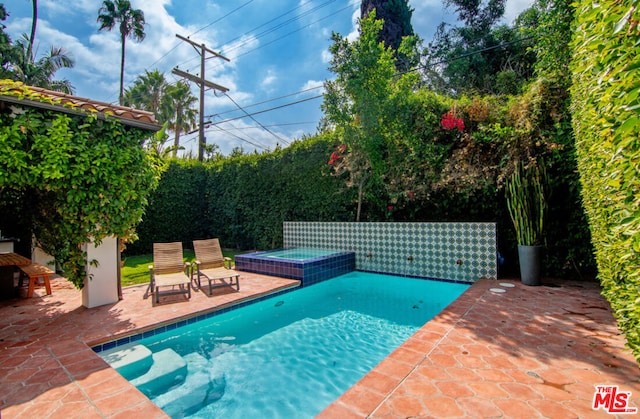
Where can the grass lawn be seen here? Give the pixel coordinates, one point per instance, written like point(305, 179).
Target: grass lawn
point(136, 268)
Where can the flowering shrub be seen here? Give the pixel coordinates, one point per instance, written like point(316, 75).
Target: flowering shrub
point(337, 154)
point(451, 121)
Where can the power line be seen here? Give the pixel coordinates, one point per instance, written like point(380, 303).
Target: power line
point(279, 25)
point(274, 99)
point(260, 26)
point(297, 30)
point(267, 110)
point(248, 127)
point(199, 30)
point(466, 54)
point(234, 47)
point(220, 18)
point(255, 144)
point(270, 30)
point(202, 50)
point(255, 120)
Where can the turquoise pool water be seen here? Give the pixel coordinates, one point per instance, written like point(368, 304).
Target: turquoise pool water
point(298, 253)
point(289, 356)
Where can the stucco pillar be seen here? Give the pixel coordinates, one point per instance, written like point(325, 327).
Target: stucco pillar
point(101, 284)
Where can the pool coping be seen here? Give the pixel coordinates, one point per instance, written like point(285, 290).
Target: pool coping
point(125, 338)
point(49, 371)
point(404, 359)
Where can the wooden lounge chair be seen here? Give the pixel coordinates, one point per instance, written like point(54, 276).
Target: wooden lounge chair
point(169, 270)
point(212, 266)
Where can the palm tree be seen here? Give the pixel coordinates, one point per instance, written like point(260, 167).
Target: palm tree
point(173, 104)
point(147, 93)
point(131, 24)
point(6, 47)
point(34, 23)
point(26, 69)
point(178, 108)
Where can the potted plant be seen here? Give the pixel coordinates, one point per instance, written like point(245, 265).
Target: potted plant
point(527, 204)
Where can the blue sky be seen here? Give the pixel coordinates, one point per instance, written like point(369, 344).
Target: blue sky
point(278, 51)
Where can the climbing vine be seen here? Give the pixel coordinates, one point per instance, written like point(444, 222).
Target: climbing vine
point(80, 178)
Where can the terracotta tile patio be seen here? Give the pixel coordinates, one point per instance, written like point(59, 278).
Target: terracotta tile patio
point(527, 352)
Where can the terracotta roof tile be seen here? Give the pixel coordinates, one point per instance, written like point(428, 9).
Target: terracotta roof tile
point(59, 98)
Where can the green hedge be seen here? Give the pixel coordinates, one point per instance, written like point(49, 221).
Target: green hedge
point(606, 121)
point(244, 200)
point(177, 209)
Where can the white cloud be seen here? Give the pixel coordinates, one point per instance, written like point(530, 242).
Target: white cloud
point(513, 8)
point(355, 26)
point(313, 84)
point(268, 80)
point(55, 7)
point(245, 134)
point(326, 56)
point(261, 68)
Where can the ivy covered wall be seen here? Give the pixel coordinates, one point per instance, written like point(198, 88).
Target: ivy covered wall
point(69, 177)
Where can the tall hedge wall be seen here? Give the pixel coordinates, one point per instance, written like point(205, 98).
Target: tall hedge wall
point(606, 121)
point(244, 200)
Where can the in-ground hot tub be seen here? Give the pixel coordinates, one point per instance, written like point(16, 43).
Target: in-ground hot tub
point(307, 265)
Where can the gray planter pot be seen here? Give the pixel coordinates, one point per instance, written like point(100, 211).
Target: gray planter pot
point(530, 264)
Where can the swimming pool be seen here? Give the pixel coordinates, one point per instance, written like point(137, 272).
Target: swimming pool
point(304, 264)
point(288, 356)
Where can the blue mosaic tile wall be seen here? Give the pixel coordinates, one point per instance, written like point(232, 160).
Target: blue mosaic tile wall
point(309, 272)
point(452, 251)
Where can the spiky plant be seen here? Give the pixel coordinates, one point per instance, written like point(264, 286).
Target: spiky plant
point(527, 202)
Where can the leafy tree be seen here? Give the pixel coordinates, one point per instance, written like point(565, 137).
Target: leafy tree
point(25, 68)
point(396, 15)
point(18, 61)
point(178, 108)
point(362, 106)
point(479, 56)
point(6, 48)
point(130, 24)
point(553, 44)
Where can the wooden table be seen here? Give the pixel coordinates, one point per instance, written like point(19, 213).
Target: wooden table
point(8, 262)
point(13, 259)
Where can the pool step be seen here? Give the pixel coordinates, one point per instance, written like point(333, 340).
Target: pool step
point(131, 361)
point(168, 369)
point(199, 389)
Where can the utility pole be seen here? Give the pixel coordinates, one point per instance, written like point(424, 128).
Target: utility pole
point(200, 81)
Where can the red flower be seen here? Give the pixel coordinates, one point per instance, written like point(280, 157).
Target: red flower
point(411, 195)
point(336, 155)
point(390, 208)
point(451, 121)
